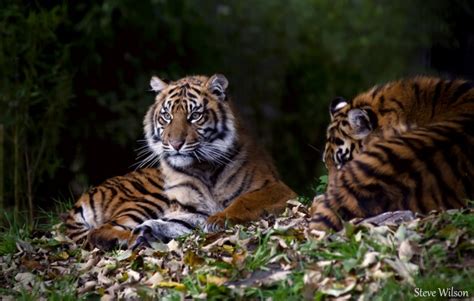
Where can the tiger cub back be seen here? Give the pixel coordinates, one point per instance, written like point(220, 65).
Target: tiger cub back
point(408, 144)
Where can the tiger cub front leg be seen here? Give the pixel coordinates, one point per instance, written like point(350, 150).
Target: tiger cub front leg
point(324, 215)
point(170, 226)
point(252, 206)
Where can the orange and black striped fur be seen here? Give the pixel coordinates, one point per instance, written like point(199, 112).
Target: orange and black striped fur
point(105, 216)
point(210, 172)
point(405, 145)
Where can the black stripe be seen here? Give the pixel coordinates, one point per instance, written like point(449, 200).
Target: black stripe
point(76, 226)
point(191, 96)
point(160, 197)
point(181, 222)
point(173, 93)
point(238, 191)
point(109, 201)
point(416, 90)
point(345, 213)
point(77, 209)
point(369, 196)
point(75, 234)
point(114, 223)
point(434, 100)
point(135, 209)
point(122, 188)
point(461, 90)
point(139, 187)
point(219, 136)
point(189, 186)
point(190, 209)
point(151, 214)
point(432, 167)
point(363, 203)
point(446, 149)
point(399, 166)
point(92, 203)
point(320, 218)
point(376, 156)
point(187, 171)
point(155, 205)
point(249, 181)
point(135, 218)
point(398, 103)
point(223, 114)
point(382, 101)
point(415, 176)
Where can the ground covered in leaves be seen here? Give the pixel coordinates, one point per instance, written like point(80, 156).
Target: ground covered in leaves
point(278, 259)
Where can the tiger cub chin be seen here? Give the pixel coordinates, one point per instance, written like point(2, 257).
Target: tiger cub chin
point(210, 173)
point(405, 145)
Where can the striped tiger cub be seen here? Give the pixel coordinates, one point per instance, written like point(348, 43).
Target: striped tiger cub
point(210, 173)
point(405, 145)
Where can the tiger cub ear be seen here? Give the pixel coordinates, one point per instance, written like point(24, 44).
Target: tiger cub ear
point(217, 85)
point(362, 121)
point(337, 104)
point(157, 84)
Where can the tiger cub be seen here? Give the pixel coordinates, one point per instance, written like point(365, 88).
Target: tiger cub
point(210, 173)
point(405, 145)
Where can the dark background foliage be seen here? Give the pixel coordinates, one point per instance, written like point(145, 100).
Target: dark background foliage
point(74, 75)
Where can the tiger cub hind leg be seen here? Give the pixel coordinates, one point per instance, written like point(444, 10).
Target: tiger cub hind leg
point(109, 236)
point(105, 216)
point(113, 234)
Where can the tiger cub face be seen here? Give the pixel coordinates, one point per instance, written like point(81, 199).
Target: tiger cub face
point(346, 133)
point(190, 121)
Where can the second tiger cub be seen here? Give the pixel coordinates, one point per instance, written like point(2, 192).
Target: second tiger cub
point(405, 145)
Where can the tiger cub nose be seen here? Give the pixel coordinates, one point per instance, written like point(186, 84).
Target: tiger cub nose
point(177, 144)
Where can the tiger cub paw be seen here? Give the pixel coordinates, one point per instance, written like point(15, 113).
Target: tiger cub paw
point(156, 230)
point(323, 217)
point(217, 222)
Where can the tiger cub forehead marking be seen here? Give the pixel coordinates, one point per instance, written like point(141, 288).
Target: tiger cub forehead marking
point(187, 95)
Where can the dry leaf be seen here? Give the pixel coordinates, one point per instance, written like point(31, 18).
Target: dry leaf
point(339, 289)
point(172, 284)
point(154, 280)
point(216, 280)
point(369, 259)
point(25, 279)
point(405, 251)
